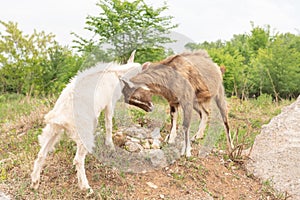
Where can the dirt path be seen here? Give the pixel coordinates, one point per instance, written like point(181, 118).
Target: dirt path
point(276, 151)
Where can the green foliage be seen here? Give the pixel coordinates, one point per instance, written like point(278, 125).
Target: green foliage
point(258, 63)
point(152, 54)
point(259, 38)
point(12, 106)
point(263, 100)
point(126, 26)
point(94, 55)
point(21, 58)
point(33, 64)
point(137, 115)
point(280, 67)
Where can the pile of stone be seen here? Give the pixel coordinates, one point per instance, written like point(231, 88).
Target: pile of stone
point(147, 144)
point(137, 139)
point(137, 149)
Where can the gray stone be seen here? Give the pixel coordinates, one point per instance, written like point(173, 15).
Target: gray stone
point(137, 132)
point(156, 133)
point(146, 144)
point(3, 196)
point(156, 138)
point(276, 151)
point(133, 146)
point(156, 144)
point(158, 158)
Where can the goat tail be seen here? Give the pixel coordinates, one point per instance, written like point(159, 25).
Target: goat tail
point(222, 105)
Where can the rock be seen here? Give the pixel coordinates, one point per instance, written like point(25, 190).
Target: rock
point(276, 151)
point(136, 140)
point(137, 132)
point(146, 144)
point(119, 139)
point(156, 138)
point(172, 154)
point(156, 134)
point(158, 158)
point(155, 144)
point(152, 185)
point(3, 196)
point(133, 146)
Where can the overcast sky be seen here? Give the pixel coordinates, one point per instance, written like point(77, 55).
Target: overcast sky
point(199, 20)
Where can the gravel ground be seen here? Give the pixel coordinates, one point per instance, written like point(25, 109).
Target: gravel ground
point(276, 152)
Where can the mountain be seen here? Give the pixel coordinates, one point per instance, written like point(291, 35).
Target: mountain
point(181, 40)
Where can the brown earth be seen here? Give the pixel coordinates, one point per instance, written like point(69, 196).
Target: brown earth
point(193, 178)
point(212, 177)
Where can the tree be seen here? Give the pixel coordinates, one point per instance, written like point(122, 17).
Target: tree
point(125, 26)
point(21, 57)
point(259, 37)
point(33, 64)
point(58, 69)
point(280, 67)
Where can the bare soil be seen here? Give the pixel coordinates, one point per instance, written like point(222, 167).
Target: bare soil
point(212, 177)
point(193, 178)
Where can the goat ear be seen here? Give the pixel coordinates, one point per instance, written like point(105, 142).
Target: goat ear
point(146, 65)
point(127, 83)
point(223, 69)
point(131, 59)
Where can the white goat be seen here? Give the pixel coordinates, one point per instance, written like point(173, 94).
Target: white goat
point(77, 110)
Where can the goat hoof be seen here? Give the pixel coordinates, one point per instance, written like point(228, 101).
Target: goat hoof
point(90, 192)
point(193, 139)
point(111, 147)
point(188, 154)
point(171, 140)
point(35, 185)
point(196, 137)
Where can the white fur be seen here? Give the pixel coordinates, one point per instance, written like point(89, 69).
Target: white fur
point(77, 110)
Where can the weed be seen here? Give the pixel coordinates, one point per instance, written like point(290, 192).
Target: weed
point(269, 192)
point(177, 176)
point(207, 191)
point(122, 174)
point(137, 116)
point(202, 170)
point(3, 174)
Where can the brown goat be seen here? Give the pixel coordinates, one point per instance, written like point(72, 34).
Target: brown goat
point(190, 80)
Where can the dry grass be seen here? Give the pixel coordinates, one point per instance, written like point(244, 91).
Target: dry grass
point(214, 176)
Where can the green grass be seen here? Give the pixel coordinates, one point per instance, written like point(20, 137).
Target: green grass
point(21, 121)
point(247, 117)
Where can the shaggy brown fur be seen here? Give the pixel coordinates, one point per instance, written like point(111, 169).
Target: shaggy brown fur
point(189, 71)
point(190, 80)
